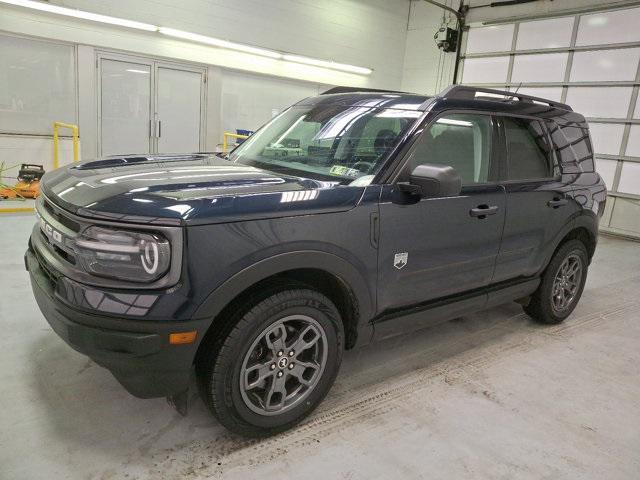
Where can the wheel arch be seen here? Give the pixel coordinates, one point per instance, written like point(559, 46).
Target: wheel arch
point(327, 273)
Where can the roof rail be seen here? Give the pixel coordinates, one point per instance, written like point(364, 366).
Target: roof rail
point(358, 89)
point(469, 93)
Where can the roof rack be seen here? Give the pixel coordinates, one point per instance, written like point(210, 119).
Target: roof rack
point(469, 93)
point(359, 89)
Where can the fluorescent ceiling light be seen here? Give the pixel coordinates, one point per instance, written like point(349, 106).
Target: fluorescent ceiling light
point(327, 64)
point(216, 42)
point(70, 12)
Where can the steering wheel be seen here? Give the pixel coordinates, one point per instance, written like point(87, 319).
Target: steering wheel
point(364, 167)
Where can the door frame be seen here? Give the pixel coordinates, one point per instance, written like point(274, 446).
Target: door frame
point(154, 63)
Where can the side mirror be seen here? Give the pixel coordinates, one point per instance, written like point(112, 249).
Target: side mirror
point(429, 180)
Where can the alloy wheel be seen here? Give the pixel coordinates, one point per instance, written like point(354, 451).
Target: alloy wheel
point(566, 283)
point(283, 365)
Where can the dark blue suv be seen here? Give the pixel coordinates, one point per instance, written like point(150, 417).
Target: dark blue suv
point(350, 217)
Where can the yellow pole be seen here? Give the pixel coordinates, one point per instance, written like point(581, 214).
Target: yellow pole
point(56, 142)
point(55, 145)
point(226, 136)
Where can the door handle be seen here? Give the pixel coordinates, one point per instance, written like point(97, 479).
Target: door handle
point(557, 202)
point(159, 128)
point(483, 211)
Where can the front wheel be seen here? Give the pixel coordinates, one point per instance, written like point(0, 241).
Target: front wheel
point(561, 285)
point(275, 365)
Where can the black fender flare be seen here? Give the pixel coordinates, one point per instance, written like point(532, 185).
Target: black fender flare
point(219, 298)
point(586, 221)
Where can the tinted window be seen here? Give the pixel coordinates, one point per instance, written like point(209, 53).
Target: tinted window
point(528, 149)
point(572, 146)
point(462, 141)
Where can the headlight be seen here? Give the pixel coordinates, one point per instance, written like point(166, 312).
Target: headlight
point(123, 254)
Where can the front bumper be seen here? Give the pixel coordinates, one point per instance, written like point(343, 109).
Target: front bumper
point(137, 352)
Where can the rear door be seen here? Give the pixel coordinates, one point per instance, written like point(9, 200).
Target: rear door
point(537, 205)
point(431, 248)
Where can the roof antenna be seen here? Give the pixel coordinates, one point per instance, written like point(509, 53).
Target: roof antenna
point(514, 93)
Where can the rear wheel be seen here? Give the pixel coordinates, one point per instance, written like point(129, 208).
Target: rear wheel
point(275, 365)
point(561, 286)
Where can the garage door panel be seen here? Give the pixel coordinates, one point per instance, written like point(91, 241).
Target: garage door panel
point(630, 178)
point(607, 170)
point(626, 215)
point(485, 70)
point(605, 65)
point(550, 93)
point(545, 67)
point(606, 137)
point(602, 102)
point(497, 38)
point(633, 145)
point(618, 26)
point(549, 33)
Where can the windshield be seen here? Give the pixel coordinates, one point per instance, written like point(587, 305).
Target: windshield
point(327, 142)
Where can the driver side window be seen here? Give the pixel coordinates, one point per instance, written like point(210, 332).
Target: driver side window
point(459, 140)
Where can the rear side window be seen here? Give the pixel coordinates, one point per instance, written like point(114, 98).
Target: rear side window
point(528, 149)
point(572, 146)
point(461, 141)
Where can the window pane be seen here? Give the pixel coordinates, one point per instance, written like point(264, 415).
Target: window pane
point(528, 149)
point(550, 33)
point(607, 170)
point(619, 26)
point(606, 137)
point(606, 65)
point(37, 85)
point(603, 102)
point(630, 178)
point(633, 145)
point(549, 93)
point(545, 67)
point(496, 38)
point(485, 70)
point(461, 141)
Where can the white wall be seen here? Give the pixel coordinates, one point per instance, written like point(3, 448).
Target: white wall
point(426, 68)
point(368, 33)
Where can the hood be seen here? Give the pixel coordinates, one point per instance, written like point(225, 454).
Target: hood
point(185, 189)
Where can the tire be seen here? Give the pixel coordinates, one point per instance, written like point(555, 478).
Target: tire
point(546, 305)
point(253, 380)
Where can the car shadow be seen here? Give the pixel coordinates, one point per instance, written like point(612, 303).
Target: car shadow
point(87, 410)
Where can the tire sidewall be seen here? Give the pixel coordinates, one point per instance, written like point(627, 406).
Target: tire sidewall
point(233, 352)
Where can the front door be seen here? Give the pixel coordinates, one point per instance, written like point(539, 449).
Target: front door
point(433, 248)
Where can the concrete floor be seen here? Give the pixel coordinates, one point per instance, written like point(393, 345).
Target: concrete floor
point(488, 396)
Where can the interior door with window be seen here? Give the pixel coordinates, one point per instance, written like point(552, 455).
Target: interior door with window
point(537, 208)
point(125, 107)
point(432, 248)
point(149, 106)
point(179, 96)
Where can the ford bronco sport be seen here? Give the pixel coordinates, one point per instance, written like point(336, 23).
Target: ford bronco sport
point(350, 217)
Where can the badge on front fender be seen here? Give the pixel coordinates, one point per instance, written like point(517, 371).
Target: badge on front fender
point(400, 260)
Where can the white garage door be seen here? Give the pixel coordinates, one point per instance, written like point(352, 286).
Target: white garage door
point(590, 61)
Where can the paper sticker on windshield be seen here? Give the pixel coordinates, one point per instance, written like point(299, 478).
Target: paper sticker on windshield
point(344, 171)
